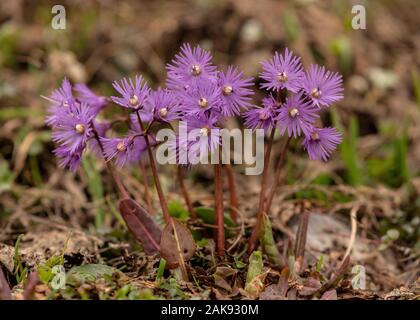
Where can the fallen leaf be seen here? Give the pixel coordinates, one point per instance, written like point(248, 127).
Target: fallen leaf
point(330, 295)
point(141, 224)
point(5, 293)
point(168, 244)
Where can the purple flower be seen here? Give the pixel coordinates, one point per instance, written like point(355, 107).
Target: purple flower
point(126, 150)
point(73, 127)
point(320, 143)
point(188, 66)
point(282, 72)
point(60, 98)
point(67, 158)
point(164, 105)
point(264, 117)
point(296, 116)
point(134, 94)
point(87, 96)
point(196, 140)
point(322, 87)
point(201, 99)
point(234, 92)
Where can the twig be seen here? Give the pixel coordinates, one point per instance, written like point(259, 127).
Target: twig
point(353, 217)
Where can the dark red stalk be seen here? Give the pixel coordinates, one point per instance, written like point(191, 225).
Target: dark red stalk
point(146, 187)
point(234, 203)
point(116, 178)
point(218, 201)
point(260, 215)
point(159, 190)
point(184, 192)
point(277, 175)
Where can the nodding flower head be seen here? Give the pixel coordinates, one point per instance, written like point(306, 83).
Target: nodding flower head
point(235, 91)
point(189, 65)
point(296, 116)
point(133, 94)
point(322, 87)
point(321, 142)
point(282, 72)
point(263, 117)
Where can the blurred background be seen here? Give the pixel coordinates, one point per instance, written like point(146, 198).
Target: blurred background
point(378, 162)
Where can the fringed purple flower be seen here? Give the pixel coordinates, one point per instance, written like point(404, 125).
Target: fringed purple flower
point(189, 65)
point(198, 138)
point(68, 159)
point(134, 94)
point(126, 150)
point(60, 98)
point(264, 117)
point(322, 87)
point(320, 143)
point(85, 95)
point(203, 98)
point(235, 92)
point(73, 127)
point(282, 72)
point(164, 105)
point(296, 116)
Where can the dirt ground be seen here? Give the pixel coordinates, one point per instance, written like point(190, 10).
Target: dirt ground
point(367, 198)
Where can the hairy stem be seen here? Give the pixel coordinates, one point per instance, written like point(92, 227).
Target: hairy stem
point(147, 196)
point(184, 192)
point(234, 203)
point(277, 175)
point(218, 201)
point(260, 215)
point(159, 190)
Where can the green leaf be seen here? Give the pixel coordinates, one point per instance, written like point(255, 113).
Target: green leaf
point(89, 273)
point(268, 243)
point(253, 278)
point(95, 188)
point(207, 215)
point(177, 210)
point(348, 149)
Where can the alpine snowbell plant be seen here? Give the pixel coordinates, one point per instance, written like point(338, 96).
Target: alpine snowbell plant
point(201, 98)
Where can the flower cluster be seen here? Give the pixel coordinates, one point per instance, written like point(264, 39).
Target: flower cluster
point(307, 93)
point(196, 92)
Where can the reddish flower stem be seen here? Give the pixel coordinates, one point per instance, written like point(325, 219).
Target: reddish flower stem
point(234, 203)
point(159, 190)
point(218, 201)
point(147, 196)
point(253, 240)
point(184, 192)
point(276, 182)
point(115, 177)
